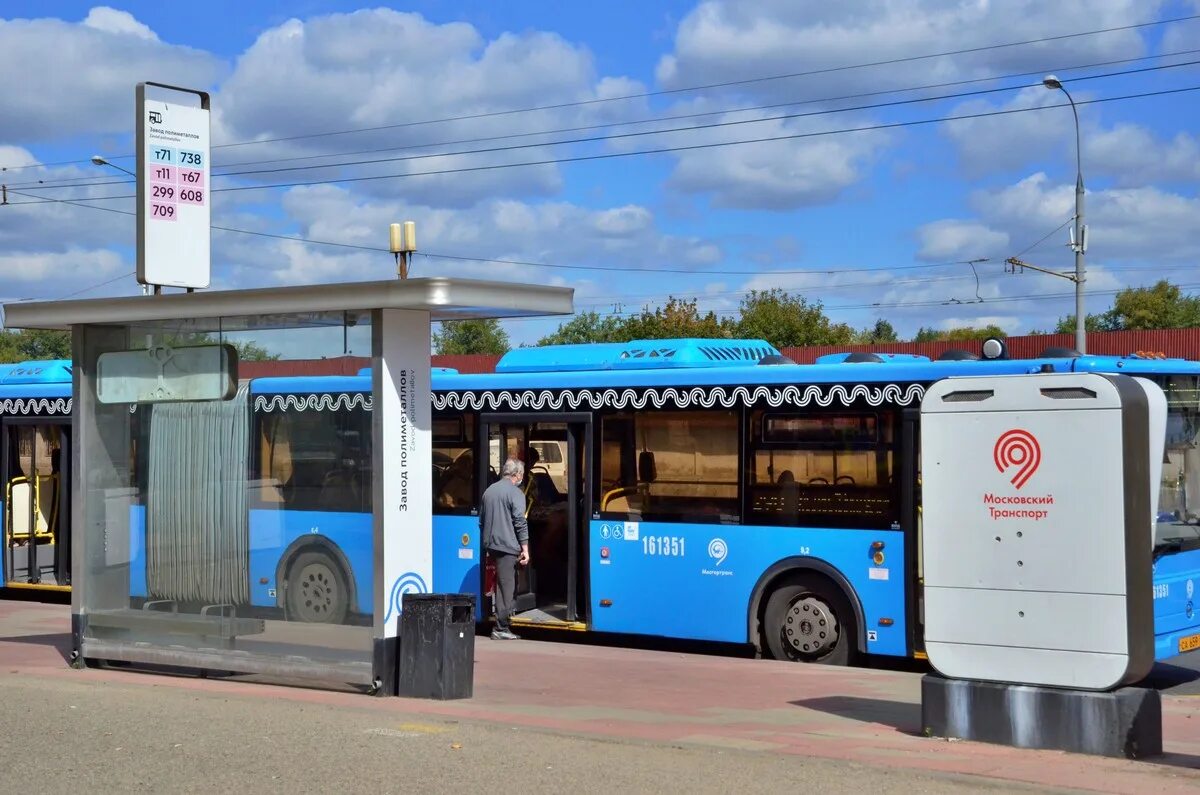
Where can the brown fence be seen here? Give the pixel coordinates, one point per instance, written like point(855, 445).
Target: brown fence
point(1177, 343)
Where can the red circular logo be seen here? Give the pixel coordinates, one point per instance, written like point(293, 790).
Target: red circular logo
point(1018, 449)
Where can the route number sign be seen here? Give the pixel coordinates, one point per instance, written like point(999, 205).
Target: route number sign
point(174, 210)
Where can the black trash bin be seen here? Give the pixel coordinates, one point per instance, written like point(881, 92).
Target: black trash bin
point(437, 646)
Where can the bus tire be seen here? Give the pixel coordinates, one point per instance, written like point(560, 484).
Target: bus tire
point(318, 591)
point(809, 619)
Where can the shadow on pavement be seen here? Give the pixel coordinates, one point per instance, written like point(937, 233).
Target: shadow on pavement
point(1188, 761)
point(900, 715)
point(30, 595)
point(1165, 676)
point(61, 641)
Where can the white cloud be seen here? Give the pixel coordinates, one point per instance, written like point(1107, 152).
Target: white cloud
point(1145, 224)
point(30, 222)
point(79, 78)
point(724, 40)
point(560, 233)
point(1010, 323)
point(110, 20)
point(1006, 142)
point(1136, 157)
point(48, 275)
point(775, 175)
point(951, 239)
point(15, 157)
point(383, 68)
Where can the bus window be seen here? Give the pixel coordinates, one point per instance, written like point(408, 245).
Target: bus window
point(823, 469)
point(316, 460)
point(453, 464)
point(1178, 504)
point(670, 466)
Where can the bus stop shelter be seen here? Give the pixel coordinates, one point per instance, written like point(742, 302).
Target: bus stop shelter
point(268, 527)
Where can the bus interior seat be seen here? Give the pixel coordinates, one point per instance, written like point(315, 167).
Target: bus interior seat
point(269, 491)
point(340, 490)
point(546, 490)
point(22, 495)
point(647, 470)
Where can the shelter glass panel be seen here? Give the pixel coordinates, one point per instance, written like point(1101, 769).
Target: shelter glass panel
point(237, 533)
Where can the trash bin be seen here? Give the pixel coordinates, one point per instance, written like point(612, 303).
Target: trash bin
point(437, 646)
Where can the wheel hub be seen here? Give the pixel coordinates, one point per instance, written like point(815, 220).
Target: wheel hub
point(810, 628)
point(317, 590)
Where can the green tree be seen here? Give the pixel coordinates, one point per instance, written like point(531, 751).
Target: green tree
point(40, 344)
point(587, 327)
point(470, 336)
point(33, 344)
point(961, 333)
point(786, 320)
point(882, 331)
point(1066, 325)
point(1139, 308)
point(250, 351)
point(677, 318)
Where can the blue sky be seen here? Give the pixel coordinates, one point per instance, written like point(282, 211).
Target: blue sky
point(873, 223)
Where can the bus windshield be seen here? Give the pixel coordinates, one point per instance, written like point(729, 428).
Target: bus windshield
point(1179, 493)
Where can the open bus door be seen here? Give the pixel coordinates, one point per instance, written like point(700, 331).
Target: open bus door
point(552, 589)
point(910, 513)
point(35, 469)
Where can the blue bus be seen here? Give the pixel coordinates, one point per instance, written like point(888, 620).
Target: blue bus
point(715, 490)
point(694, 489)
point(35, 437)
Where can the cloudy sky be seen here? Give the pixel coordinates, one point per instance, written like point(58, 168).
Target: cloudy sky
point(794, 144)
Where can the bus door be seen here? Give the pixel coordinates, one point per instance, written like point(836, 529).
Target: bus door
point(35, 470)
point(552, 589)
point(910, 516)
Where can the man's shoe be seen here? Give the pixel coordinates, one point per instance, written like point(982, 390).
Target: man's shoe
point(504, 634)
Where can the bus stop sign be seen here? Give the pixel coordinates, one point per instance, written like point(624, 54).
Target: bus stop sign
point(1037, 509)
point(173, 207)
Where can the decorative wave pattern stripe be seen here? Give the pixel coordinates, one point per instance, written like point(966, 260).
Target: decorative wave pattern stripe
point(313, 402)
point(696, 397)
point(36, 406)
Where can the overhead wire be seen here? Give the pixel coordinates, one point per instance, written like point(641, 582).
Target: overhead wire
point(100, 181)
point(644, 133)
point(686, 89)
point(680, 148)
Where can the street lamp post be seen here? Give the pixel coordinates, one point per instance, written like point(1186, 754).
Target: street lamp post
point(1079, 242)
point(98, 160)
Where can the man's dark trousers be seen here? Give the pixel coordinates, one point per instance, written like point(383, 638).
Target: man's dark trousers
point(506, 587)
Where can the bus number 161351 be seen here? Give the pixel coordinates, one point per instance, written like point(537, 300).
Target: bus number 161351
point(667, 546)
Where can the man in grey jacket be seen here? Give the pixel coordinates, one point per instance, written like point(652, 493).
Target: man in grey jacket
point(505, 536)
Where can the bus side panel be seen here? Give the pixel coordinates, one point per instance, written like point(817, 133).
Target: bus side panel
point(695, 581)
point(1176, 625)
point(137, 550)
point(273, 531)
point(456, 557)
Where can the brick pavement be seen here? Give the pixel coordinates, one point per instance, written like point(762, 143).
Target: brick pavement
point(868, 716)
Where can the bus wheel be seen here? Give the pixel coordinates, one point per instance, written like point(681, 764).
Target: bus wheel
point(317, 590)
point(810, 620)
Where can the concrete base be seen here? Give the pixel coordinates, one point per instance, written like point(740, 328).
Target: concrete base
point(1125, 722)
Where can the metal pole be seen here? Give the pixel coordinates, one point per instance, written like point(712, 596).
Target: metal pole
point(1080, 267)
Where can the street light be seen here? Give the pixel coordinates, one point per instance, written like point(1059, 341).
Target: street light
point(100, 161)
point(1078, 240)
point(97, 160)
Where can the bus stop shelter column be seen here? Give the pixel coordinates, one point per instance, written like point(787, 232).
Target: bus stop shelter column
point(402, 482)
